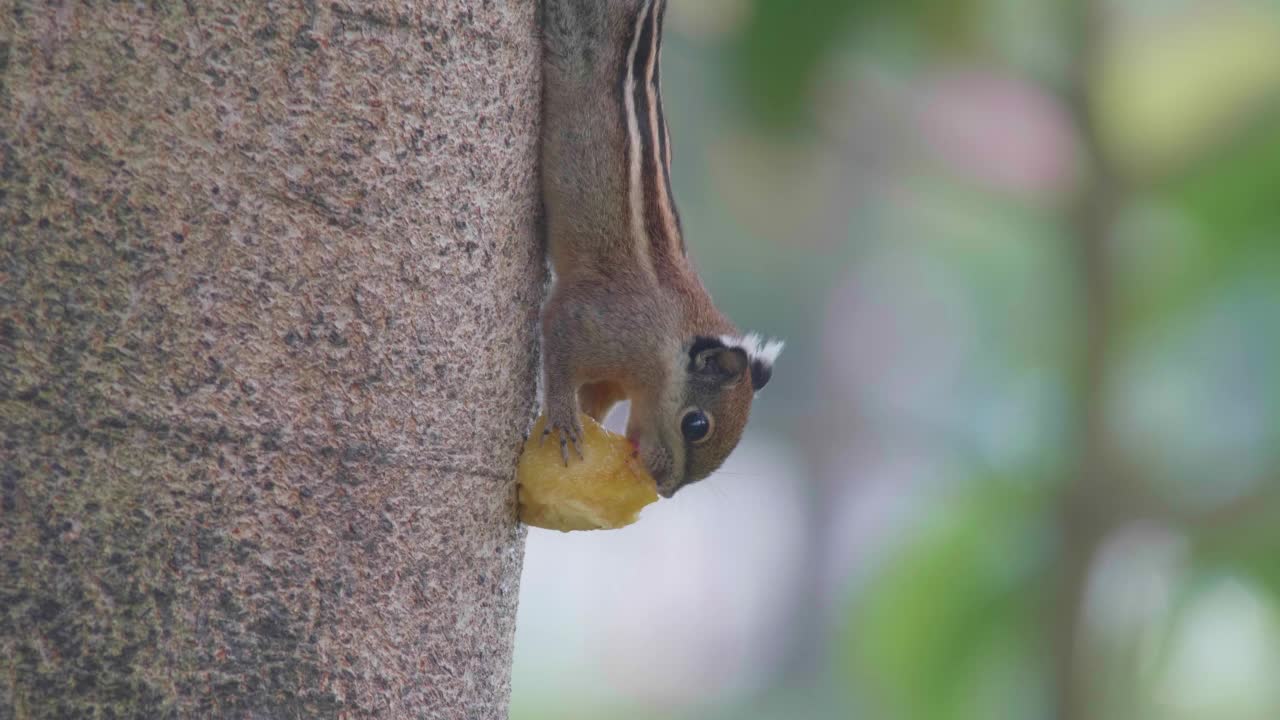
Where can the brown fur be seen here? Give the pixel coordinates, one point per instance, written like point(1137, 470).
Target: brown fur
point(621, 318)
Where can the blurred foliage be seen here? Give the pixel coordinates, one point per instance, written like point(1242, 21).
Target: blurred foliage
point(953, 626)
point(956, 609)
point(1171, 90)
point(1249, 546)
point(1227, 206)
point(781, 50)
point(951, 620)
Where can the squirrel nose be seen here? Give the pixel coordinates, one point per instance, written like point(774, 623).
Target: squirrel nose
point(662, 479)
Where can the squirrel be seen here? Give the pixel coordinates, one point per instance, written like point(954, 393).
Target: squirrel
point(628, 317)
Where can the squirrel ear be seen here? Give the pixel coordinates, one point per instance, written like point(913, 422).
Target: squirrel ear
point(731, 361)
point(761, 353)
point(710, 356)
point(699, 348)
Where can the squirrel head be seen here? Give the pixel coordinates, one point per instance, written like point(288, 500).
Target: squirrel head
point(694, 429)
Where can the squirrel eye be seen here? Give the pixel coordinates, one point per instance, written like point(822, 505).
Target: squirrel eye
point(695, 426)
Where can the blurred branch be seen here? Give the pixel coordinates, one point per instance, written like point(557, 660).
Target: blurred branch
point(1258, 503)
point(1099, 495)
point(1085, 511)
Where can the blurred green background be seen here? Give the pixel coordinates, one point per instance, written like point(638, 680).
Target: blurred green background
point(1021, 457)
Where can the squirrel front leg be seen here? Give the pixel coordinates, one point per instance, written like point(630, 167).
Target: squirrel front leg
point(561, 326)
point(600, 346)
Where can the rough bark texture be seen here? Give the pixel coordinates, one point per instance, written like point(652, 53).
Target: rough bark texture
point(268, 291)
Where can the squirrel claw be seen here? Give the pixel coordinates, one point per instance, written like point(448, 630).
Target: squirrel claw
point(564, 450)
point(567, 434)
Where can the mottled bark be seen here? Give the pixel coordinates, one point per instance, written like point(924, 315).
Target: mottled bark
point(268, 297)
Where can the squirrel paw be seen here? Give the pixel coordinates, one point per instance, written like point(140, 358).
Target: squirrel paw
point(568, 429)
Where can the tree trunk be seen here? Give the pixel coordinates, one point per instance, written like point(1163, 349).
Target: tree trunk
point(269, 281)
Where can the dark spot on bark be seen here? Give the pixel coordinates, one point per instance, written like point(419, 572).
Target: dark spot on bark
point(244, 551)
point(179, 238)
point(357, 452)
point(227, 604)
point(304, 40)
point(270, 442)
point(86, 679)
point(208, 544)
point(274, 626)
point(47, 610)
point(123, 661)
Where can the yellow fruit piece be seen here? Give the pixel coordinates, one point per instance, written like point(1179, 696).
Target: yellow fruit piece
point(602, 490)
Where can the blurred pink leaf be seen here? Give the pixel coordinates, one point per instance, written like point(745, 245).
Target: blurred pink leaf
point(998, 131)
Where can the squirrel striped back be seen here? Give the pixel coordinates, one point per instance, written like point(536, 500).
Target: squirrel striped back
point(606, 146)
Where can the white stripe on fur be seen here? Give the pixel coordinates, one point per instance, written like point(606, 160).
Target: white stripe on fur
point(641, 237)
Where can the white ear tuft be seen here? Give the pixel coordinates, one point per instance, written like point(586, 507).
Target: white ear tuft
point(770, 351)
point(756, 347)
